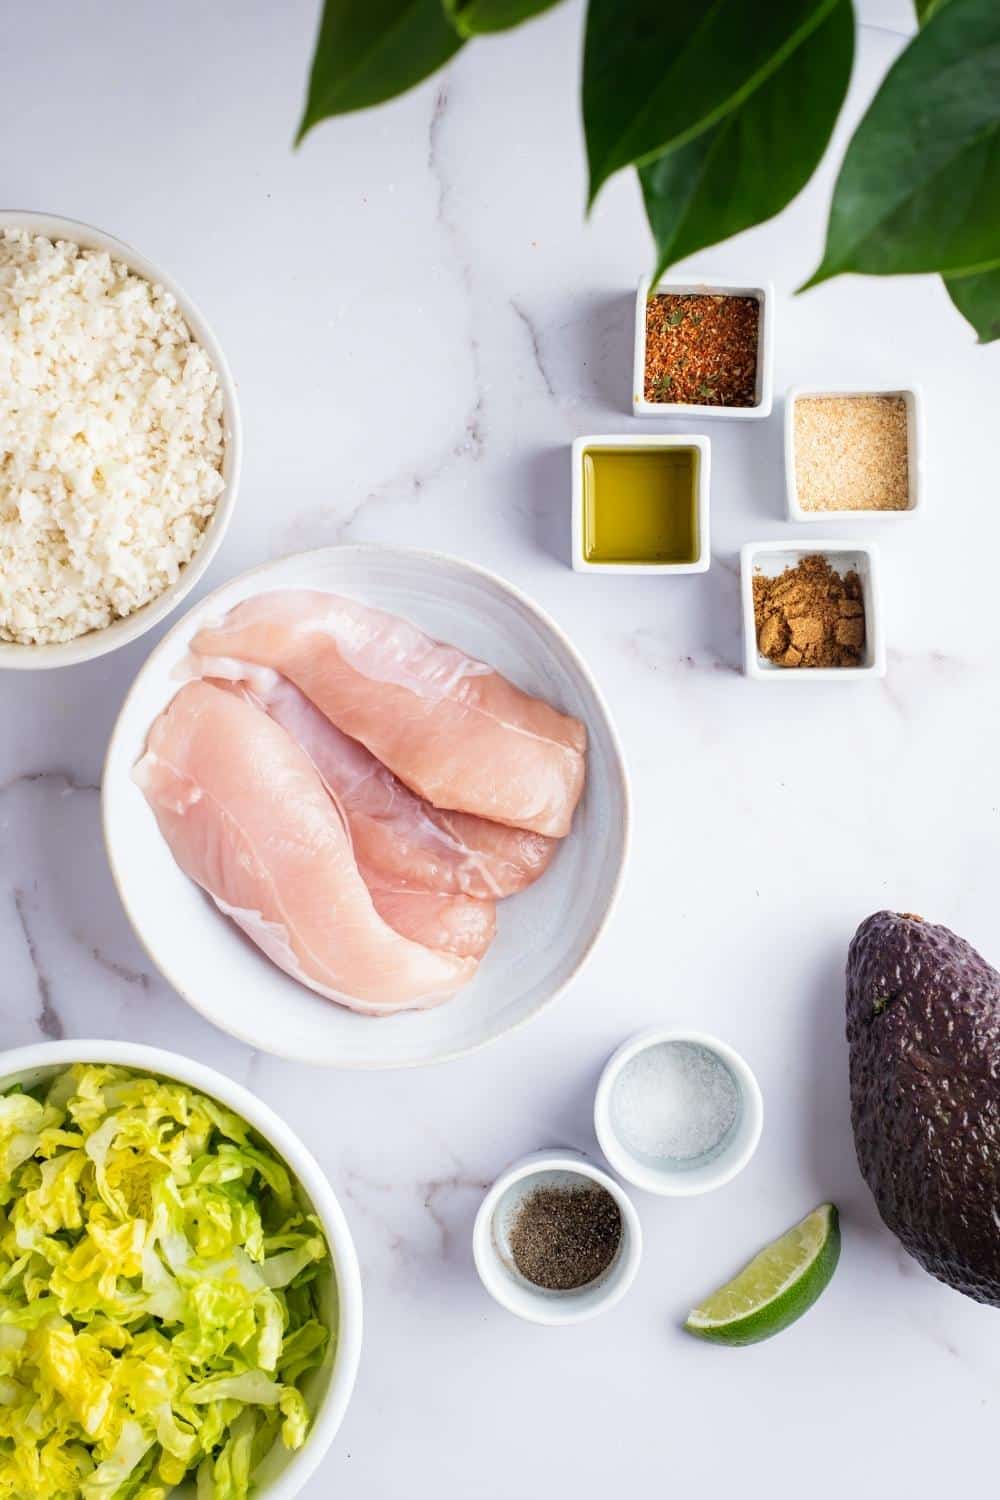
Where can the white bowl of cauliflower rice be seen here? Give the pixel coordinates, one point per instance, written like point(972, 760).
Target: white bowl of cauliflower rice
point(119, 442)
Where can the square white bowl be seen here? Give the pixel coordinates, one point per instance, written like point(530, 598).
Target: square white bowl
point(913, 397)
point(771, 559)
point(764, 294)
point(702, 449)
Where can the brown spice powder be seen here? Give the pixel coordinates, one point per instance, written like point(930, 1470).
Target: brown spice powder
point(563, 1238)
point(810, 616)
point(701, 349)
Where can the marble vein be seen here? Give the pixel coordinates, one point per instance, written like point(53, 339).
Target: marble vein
point(469, 444)
point(357, 1187)
point(535, 341)
point(49, 1021)
point(408, 484)
point(64, 781)
point(437, 1193)
point(114, 966)
point(653, 650)
point(895, 683)
point(475, 428)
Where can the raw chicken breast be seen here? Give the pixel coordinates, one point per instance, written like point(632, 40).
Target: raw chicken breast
point(399, 839)
point(453, 924)
point(248, 818)
point(451, 727)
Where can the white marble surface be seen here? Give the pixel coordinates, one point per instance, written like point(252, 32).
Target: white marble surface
point(420, 323)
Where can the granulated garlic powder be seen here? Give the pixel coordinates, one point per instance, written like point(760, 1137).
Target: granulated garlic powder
point(111, 440)
point(851, 453)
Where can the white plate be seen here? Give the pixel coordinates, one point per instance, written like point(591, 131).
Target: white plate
point(545, 933)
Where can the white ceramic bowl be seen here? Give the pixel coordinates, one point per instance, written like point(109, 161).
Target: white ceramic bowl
point(545, 933)
point(640, 443)
point(914, 402)
point(764, 391)
point(771, 559)
point(491, 1245)
point(281, 1474)
point(119, 632)
point(701, 1174)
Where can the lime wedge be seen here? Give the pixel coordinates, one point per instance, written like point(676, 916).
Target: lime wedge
point(776, 1288)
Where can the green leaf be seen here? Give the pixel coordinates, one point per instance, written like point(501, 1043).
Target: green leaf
point(919, 189)
point(471, 17)
point(369, 51)
point(656, 74)
point(978, 299)
point(749, 166)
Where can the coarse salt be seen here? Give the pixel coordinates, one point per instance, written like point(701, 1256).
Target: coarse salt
point(674, 1100)
point(111, 439)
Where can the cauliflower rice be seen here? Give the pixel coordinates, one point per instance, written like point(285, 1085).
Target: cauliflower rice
point(111, 439)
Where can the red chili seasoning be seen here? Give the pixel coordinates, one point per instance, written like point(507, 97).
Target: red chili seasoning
point(701, 349)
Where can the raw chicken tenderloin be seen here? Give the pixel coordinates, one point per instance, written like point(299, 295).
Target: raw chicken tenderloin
point(399, 840)
point(248, 818)
point(450, 921)
point(449, 726)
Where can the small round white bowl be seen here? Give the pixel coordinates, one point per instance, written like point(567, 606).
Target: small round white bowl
point(680, 1179)
point(545, 933)
point(491, 1250)
point(120, 632)
point(327, 1389)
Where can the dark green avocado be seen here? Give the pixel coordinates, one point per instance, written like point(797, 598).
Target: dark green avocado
point(923, 1025)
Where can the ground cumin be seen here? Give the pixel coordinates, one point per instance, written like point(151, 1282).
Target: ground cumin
point(810, 616)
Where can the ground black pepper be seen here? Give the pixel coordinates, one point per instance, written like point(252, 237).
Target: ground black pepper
point(563, 1238)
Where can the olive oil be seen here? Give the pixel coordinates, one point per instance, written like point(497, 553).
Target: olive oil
point(640, 506)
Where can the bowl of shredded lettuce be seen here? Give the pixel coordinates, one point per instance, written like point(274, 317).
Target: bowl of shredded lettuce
point(180, 1301)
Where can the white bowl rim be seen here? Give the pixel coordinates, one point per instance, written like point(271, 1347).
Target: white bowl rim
point(15, 656)
point(542, 1309)
point(668, 1184)
point(275, 1050)
point(330, 1413)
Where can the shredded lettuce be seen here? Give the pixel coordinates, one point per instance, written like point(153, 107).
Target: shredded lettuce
point(158, 1293)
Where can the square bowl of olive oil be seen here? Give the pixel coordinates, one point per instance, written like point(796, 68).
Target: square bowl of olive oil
point(640, 504)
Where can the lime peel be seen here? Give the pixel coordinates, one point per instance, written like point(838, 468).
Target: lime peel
point(776, 1288)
